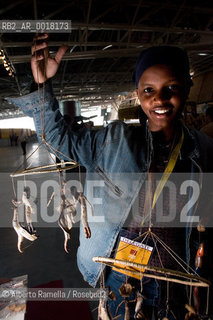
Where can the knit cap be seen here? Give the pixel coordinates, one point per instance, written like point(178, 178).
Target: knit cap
point(171, 56)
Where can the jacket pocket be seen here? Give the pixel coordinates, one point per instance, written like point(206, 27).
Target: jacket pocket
point(114, 188)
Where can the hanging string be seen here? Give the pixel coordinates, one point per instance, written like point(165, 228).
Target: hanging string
point(43, 67)
point(161, 263)
point(42, 106)
point(141, 282)
point(102, 282)
point(25, 184)
point(50, 199)
point(42, 103)
point(174, 255)
point(29, 245)
point(42, 113)
point(32, 155)
point(190, 294)
point(43, 117)
point(145, 234)
point(57, 151)
point(79, 174)
point(142, 259)
point(146, 238)
point(167, 299)
point(102, 285)
point(39, 96)
point(207, 302)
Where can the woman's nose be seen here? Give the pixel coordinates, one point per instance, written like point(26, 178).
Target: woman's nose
point(162, 95)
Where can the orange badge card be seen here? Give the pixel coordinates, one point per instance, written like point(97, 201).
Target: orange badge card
point(132, 251)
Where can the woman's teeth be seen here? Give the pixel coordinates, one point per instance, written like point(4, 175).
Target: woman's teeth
point(162, 111)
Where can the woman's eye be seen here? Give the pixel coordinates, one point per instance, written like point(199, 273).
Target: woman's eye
point(174, 87)
point(148, 90)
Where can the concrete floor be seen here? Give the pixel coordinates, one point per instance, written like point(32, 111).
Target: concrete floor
point(45, 259)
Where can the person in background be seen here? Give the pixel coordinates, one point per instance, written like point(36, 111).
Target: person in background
point(23, 142)
point(11, 139)
point(15, 139)
point(208, 128)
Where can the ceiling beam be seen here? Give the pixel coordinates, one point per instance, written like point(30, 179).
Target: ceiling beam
point(28, 44)
point(87, 55)
point(172, 6)
point(11, 6)
point(134, 28)
point(97, 54)
point(59, 10)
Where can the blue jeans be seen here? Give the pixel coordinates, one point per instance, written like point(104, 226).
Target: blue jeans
point(150, 290)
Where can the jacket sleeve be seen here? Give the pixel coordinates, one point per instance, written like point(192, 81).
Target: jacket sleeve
point(83, 146)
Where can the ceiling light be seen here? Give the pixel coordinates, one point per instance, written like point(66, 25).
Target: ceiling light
point(203, 54)
point(109, 46)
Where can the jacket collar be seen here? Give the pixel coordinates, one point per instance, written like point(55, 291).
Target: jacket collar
point(190, 148)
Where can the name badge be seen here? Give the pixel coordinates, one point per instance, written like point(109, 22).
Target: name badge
point(132, 251)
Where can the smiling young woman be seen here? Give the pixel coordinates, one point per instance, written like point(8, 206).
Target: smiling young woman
point(162, 82)
point(162, 95)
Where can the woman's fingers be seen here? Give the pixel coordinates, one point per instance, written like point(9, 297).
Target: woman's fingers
point(37, 58)
point(42, 64)
point(36, 47)
point(41, 36)
point(60, 53)
point(39, 42)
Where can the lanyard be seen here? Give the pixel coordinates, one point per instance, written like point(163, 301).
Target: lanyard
point(167, 172)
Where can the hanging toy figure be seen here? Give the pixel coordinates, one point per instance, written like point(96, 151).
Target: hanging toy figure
point(65, 224)
point(66, 218)
point(68, 209)
point(103, 311)
point(125, 291)
point(82, 199)
point(191, 315)
point(138, 307)
point(29, 210)
point(198, 267)
point(21, 232)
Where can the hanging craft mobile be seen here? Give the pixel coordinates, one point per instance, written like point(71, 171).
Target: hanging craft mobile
point(187, 276)
point(68, 206)
point(126, 263)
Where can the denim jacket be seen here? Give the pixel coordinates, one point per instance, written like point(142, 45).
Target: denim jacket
point(117, 155)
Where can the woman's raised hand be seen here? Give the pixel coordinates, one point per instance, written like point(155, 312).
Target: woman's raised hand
point(42, 64)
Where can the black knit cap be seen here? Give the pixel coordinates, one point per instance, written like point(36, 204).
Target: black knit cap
point(166, 55)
